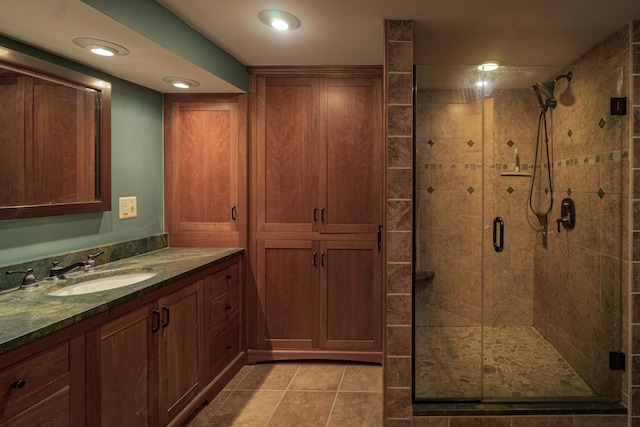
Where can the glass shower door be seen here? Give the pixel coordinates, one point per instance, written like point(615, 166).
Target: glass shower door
point(449, 197)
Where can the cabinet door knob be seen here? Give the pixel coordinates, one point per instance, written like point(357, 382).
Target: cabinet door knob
point(229, 277)
point(228, 307)
point(17, 384)
point(228, 346)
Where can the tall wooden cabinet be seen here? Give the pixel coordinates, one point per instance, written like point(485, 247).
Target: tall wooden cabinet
point(205, 172)
point(317, 141)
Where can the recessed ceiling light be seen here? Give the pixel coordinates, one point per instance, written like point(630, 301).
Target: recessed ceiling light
point(180, 82)
point(489, 65)
point(279, 20)
point(101, 47)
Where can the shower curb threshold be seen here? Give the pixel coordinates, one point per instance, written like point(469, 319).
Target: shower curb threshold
point(518, 408)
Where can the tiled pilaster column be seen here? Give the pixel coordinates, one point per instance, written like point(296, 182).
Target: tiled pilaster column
point(399, 81)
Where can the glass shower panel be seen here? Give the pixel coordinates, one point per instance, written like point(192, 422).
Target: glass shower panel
point(449, 193)
point(511, 303)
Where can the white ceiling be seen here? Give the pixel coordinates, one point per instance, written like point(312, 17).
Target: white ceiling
point(333, 32)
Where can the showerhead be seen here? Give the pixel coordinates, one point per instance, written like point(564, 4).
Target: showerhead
point(547, 89)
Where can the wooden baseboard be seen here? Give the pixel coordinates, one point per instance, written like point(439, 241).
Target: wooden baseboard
point(255, 356)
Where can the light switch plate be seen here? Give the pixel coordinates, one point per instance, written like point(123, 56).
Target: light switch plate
point(128, 207)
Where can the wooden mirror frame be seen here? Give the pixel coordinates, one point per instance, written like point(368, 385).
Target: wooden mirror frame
point(20, 62)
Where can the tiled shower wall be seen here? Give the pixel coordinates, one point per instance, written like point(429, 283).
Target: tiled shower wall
point(578, 296)
point(398, 409)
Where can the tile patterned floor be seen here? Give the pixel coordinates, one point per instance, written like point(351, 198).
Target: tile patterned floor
point(517, 362)
point(298, 394)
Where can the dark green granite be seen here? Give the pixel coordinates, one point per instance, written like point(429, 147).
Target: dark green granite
point(112, 252)
point(28, 315)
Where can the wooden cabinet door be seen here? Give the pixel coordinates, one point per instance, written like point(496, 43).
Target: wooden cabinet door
point(286, 181)
point(122, 376)
point(351, 295)
point(287, 285)
point(181, 349)
point(204, 137)
point(352, 155)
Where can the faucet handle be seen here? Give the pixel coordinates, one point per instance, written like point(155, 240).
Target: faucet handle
point(97, 254)
point(29, 280)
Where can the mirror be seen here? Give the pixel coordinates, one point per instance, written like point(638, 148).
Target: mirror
point(55, 132)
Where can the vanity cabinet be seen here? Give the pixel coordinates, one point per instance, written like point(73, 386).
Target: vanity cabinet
point(317, 141)
point(155, 364)
point(205, 172)
point(148, 363)
point(37, 390)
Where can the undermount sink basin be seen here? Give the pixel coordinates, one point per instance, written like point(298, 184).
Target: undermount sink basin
point(102, 284)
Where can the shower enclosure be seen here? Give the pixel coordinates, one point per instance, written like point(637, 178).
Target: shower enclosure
point(510, 303)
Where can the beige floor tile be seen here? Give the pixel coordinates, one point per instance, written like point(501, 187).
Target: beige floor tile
point(324, 376)
point(246, 409)
point(237, 379)
point(303, 408)
point(362, 378)
point(202, 417)
point(356, 409)
point(272, 376)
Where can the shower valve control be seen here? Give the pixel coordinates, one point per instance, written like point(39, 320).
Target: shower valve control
point(567, 214)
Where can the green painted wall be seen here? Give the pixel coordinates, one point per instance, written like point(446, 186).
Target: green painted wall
point(136, 170)
point(152, 20)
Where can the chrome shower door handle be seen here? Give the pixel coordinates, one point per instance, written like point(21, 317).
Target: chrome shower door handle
point(498, 225)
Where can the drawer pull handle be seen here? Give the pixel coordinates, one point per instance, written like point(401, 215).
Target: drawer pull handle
point(229, 277)
point(228, 346)
point(228, 307)
point(156, 321)
point(17, 384)
point(165, 310)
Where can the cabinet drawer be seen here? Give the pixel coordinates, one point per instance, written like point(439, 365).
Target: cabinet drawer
point(223, 309)
point(22, 379)
point(224, 280)
point(225, 347)
point(51, 411)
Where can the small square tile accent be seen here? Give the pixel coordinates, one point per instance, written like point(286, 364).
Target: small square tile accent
point(568, 191)
point(430, 143)
point(510, 190)
point(470, 143)
point(470, 190)
point(431, 190)
point(601, 123)
point(569, 133)
point(546, 191)
point(510, 143)
point(600, 193)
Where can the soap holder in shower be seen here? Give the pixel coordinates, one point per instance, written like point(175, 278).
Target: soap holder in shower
point(515, 174)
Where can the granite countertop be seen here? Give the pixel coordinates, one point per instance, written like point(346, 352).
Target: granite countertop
point(30, 314)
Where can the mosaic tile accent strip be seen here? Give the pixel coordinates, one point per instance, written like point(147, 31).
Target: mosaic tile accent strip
point(518, 362)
